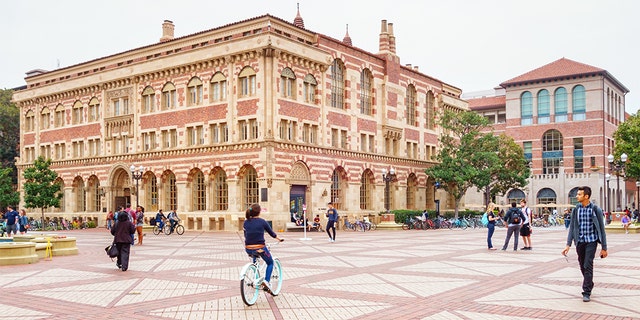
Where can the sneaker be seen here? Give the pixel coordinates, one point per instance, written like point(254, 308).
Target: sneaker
point(266, 286)
point(586, 297)
point(492, 248)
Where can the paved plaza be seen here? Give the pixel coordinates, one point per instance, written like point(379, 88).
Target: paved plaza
point(434, 274)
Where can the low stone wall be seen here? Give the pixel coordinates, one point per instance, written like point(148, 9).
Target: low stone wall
point(27, 249)
point(12, 253)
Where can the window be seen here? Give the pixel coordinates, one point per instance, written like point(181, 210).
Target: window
point(148, 100)
point(169, 138)
point(391, 146)
point(247, 82)
point(29, 123)
point(578, 155)
point(544, 108)
point(371, 144)
point(411, 105)
point(337, 190)
point(30, 154)
point(78, 149)
point(338, 138)
point(551, 151)
point(94, 110)
point(81, 199)
point(412, 150)
point(44, 118)
point(45, 151)
point(288, 84)
point(168, 99)
point(528, 149)
point(430, 114)
point(560, 104)
point(170, 191)
point(151, 189)
point(94, 147)
point(219, 133)
point(120, 106)
point(309, 133)
point(198, 192)
point(366, 189)
point(579, 103)
point(77, 114)
point(251, 187)
point(366, 92)
point(60, 151)
point(288, 130)
point(149, 140)
point(218, 87)
point(248, 129)
point(220, 191)
point(343, 139)
point(194, 90)
point(310, 85)
point(195, 136)
point(58, 118)
point(526, 108)
point(337, 84)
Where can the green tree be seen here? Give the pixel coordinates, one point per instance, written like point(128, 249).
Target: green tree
point(512, 170)
point(627, 138)
point(9, 132)
point(40, 187)
point(8, 196)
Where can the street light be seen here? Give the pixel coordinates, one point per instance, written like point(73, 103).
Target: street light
point(638, 195)
point(618, 167)
point(136, 175)
point(387, 177)
point(606, 194)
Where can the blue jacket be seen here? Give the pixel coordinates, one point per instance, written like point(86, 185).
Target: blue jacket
point(598, 226)
point(254, 230)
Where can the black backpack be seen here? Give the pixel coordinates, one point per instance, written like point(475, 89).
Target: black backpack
point(515, 217)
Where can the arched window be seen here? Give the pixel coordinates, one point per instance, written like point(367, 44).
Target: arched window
point(337, 191)
point(560, 104)
point(81, 196)
point(93, 190)
point(515, 195)
point(78, 113)
point(29, 121)
point(579, 103)
point(218, 91)
point(288, 84)
point(148, 100)
point(58, 119)
point(247, 82)
point(220, 190)
point(151, 192)
point(45, 117)
point(551, 151)
point(412, 189)
point(411, 105)
point(61, 207)
point(572, 196)
point(194, 91)
point(546, 195)
point(431, 110)
point(198, 191)
point(337, 84)
point(526, 108)
point(366, 91)
point(170, 191)
point(310, 86)
point(94, 110)
point(544, 106)
point(366, 190)
point(250, 187)
point(169, 99)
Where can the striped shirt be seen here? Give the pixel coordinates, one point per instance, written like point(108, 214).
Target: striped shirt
point(585, 221)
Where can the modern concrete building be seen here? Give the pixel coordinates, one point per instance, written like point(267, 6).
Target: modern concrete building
point(564, 115)
point(258, 111)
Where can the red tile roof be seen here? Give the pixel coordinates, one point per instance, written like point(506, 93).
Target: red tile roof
point(487, 103)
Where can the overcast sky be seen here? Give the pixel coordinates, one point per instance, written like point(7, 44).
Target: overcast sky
point(471, 44)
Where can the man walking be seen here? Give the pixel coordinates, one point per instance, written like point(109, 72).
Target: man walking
point(11, 217)
point(332, 216)
point(586, 230)
point(525, 231)
point(514, 220)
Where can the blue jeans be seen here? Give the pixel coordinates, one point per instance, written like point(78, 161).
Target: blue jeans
point(586, 253)
point(266, 256)
point(492, 228)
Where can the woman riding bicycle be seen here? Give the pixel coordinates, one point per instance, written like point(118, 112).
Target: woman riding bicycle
point(254, 228)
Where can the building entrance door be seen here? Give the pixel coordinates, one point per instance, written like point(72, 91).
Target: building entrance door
point(297, 198)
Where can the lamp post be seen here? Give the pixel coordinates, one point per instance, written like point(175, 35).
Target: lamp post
point(638, 195)
point(136, 174)
point(606, 193)
point(387, 177)
point(617, 165)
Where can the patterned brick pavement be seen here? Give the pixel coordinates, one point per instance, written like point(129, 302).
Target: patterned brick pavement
point(434, 274)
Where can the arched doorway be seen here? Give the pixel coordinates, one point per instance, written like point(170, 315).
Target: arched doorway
point(120, 188)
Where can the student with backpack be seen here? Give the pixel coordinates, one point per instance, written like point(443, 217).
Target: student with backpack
point(514, 219)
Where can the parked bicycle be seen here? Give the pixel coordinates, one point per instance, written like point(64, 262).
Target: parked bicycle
point(348, 225)
point(252, 276)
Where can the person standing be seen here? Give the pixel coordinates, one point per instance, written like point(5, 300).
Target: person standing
point(567, 218)
point(513, 218)
point(139, 222)
point(626, 221)
point(11, 219)
point(586, 230)
point(109, 220)
point(525, 230)
point(491, 225)
point(332, 215)
point(121, 232)
point(24, 221)
point(254, 228)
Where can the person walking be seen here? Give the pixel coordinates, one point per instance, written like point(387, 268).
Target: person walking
point(525, 230)
point(24, 221)
point(491, 224)
point(586, 230)
point(139, 222)
point(11, 219)
point(254, 228)
point(513, 218)
point(110, 219)
point(121, 232)
point(332, 215)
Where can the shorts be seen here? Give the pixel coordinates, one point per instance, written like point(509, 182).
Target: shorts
point(525, 231)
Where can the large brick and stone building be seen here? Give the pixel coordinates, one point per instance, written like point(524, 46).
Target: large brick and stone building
point(257, 111)
point(564, 115)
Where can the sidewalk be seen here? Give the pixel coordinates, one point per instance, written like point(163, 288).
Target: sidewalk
point(434, 274)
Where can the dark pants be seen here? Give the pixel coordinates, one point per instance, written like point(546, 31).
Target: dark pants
point(512, 229)
point(331, 225)
point(586, 253)
point(123, 255)
point(266, 256)
point(491, 227)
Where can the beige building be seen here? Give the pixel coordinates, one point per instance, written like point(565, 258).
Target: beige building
point(258, 111)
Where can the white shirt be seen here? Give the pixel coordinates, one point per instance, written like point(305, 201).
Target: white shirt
point(525, 211)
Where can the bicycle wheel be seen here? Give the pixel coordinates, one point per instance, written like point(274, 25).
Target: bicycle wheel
point(276, 277)
point(405, 226)
point(249, 290)
point(167, 229)
point(372, 226)
point(156, 230)
point(180, 229)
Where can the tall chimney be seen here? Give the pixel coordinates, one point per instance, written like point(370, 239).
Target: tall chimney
point(167, 31)
point(384, 38)
point(392, 39)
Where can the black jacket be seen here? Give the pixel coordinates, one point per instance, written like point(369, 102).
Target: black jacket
point(123, 229)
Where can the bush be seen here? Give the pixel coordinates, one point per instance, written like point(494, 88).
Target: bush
point(91, 224)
